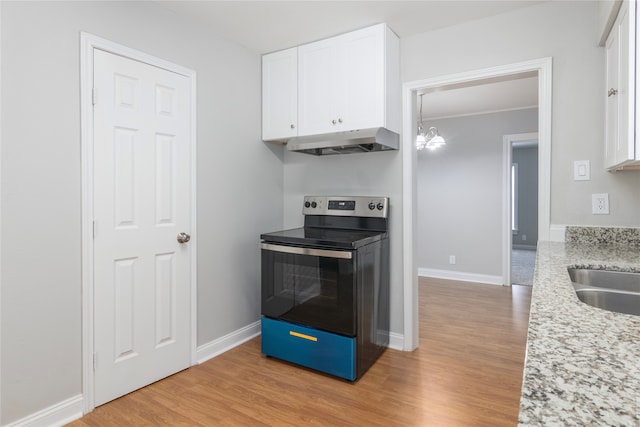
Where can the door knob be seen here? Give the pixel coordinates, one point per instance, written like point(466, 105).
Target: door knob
point(183, 238)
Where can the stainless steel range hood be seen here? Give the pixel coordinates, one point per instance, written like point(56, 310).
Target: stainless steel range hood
point(356, 141)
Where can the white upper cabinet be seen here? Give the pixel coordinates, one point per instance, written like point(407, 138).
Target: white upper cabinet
point(317, 86)
point(344, 83)
point(621, 147)
point(280, 95)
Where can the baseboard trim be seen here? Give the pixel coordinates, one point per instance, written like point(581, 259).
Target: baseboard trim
point(55, 415)
point(556, 232)
point(458, 275)
point(396, 341)
point(227, 342)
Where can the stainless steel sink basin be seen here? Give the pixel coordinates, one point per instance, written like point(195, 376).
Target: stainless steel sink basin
point(616, 280)
point(620, 302)
point(609, 290)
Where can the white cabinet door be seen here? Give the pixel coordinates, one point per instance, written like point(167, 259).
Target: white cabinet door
point(363, 96)
point(280, 95)
point(318, 86)
point(620, 108)
point(625, 148)
point(611, 116)
point(341, 83)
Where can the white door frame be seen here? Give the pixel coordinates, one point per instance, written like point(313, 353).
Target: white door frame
point(507, 160)
point(88, 43)
point(0, 210)
point(543, 67)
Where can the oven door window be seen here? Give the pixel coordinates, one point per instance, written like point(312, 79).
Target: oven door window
point(311, 290)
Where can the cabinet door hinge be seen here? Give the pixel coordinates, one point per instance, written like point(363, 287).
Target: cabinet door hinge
point(94, 96)
point(95, 361)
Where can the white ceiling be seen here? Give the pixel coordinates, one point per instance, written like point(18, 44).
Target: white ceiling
point(267, 26)
point(490, 95)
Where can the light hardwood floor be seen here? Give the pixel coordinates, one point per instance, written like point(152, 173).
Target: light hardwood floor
point(466, 372)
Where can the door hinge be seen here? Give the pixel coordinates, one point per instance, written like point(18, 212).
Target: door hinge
point(94, 96)
point(95, 361)
point(94, 230)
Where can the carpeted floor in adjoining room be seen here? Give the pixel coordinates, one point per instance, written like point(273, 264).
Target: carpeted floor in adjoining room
point(523, 262)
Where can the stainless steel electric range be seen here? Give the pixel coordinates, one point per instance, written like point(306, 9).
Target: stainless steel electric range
point(325, 286)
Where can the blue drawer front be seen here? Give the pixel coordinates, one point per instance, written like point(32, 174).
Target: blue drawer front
point(323, 351)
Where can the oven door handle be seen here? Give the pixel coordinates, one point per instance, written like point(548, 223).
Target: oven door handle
point(307, 251)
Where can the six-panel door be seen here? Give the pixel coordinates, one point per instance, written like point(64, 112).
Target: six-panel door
point(141, 204)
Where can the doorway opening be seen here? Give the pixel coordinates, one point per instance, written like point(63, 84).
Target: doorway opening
point(542, 69)
point(521, 165)
point(459, 196)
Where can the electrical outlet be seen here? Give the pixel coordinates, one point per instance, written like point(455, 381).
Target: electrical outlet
point(452, 259)
point(600, 204)
point(524, 237)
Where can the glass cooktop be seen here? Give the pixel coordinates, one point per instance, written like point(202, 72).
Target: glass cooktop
point(324, 237)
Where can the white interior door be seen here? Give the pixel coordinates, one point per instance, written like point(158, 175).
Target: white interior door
point(141, 203)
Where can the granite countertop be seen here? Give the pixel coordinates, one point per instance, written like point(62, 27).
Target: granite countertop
point(582, 364)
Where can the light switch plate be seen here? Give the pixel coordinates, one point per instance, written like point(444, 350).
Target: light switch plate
point(600, 204)
point(581, 170)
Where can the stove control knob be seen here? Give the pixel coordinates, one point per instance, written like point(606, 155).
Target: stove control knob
point(380, 206)
point(372, 206)
point(307, 204)
point(314, 205)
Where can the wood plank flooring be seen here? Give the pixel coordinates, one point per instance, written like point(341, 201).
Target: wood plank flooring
point(466, 372)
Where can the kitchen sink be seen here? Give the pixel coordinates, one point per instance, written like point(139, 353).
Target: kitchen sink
point(616, 291)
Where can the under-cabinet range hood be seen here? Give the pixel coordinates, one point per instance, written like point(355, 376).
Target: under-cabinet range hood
point(355, 141)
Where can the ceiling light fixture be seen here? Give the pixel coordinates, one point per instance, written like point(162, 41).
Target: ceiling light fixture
point(430, 139)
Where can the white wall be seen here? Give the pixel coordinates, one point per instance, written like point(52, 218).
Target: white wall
point(459, 190)
point(238, 176)
point(565, 31)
